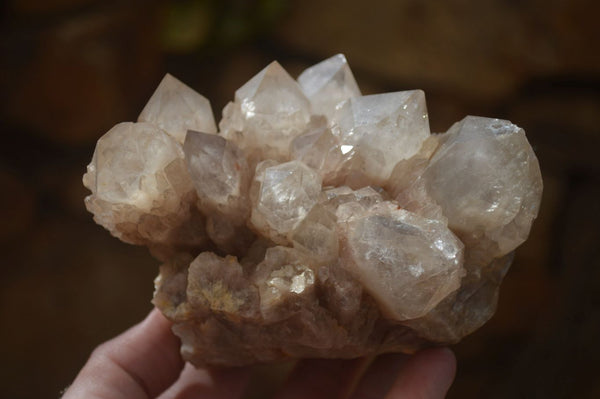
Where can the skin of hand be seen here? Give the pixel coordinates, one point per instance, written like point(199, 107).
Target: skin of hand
point(144, 362)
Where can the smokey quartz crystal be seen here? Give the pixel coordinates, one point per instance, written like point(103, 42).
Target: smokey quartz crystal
point(315, 221)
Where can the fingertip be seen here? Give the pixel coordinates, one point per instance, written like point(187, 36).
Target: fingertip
point(447, 357)
point(157, 318)
point(443, 367)
point(428, 374)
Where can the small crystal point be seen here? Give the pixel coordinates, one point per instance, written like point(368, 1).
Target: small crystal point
point(407, 186)
point(287, 193)
point(220, 173)
point(319, 149)
point(284, 278)
point(176, 108)
point(384, 129)
point(327, 84)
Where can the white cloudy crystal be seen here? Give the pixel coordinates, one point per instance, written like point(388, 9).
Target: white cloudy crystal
point(327, 84)
point(176, 108)
point(383, 129)
point(317, 222)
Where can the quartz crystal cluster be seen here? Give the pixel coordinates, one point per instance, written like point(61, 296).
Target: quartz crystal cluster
point(315, 221)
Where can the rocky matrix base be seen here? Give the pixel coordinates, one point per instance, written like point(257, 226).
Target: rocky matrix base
point(315, 222)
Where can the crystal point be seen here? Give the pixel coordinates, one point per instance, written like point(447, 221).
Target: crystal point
point(176, 108)
point(287, 193)
point(383, 129)
point(327, 84)
point(268, 112)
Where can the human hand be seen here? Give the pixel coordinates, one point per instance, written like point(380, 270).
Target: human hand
point(144, 362)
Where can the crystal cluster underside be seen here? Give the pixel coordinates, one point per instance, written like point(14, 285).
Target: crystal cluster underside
point(314, 221)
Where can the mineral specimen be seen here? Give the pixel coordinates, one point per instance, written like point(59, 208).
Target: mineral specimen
point(317, 222)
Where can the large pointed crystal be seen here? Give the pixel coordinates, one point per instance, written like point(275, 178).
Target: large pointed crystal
point(327, 84)
point(176, 108)
point(383, 129)
point(267, 113)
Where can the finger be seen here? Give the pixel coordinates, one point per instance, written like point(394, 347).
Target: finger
point(379, 377)
point(426, 375)
point(321, 378)
point(213, 384)
point(138, 364)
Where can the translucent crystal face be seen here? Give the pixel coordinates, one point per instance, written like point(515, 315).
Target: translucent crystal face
point(176, 108)
point(317, 222)
point(409, 263)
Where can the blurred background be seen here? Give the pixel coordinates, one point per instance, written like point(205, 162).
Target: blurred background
point(71, 69)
